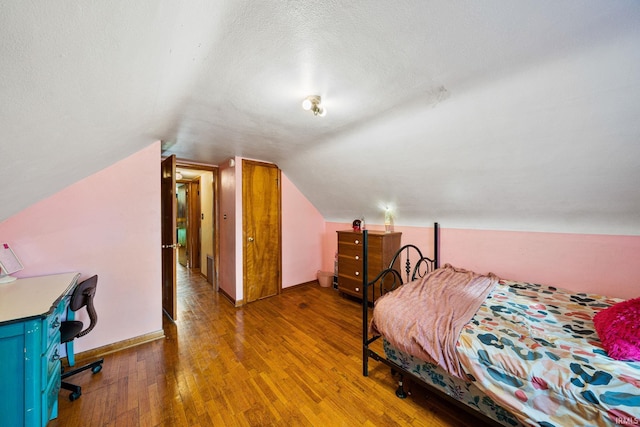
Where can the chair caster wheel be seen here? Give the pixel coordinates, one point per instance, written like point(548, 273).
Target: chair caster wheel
point(96, 369)
point(74, 396)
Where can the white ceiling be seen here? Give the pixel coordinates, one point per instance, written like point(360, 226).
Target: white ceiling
point(495, 114)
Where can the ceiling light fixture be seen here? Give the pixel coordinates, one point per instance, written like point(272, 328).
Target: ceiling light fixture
point(314, 103)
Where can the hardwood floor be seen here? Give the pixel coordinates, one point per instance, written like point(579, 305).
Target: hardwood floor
point(289, 360)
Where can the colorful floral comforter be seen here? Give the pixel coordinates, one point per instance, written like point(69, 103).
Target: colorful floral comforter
point(532, 351)
point(535, 350)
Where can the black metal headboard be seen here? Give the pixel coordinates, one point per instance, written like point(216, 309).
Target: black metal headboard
point(416, 265)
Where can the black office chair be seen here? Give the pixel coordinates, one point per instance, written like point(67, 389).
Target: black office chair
point(71, 329)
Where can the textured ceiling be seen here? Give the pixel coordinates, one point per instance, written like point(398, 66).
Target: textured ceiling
point(494, 114)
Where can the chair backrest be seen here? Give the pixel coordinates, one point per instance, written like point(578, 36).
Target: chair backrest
point(83, 297)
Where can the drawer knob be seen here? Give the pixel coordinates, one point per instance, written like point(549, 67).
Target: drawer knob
point(357, 289)
point(357, 273)
point(55, 356)
point(56, 323)
point(357, 257)
point(357, 242)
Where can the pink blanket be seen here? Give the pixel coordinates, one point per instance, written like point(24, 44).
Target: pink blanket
point(424, 318)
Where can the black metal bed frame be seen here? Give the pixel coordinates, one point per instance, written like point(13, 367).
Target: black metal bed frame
point(390, 279)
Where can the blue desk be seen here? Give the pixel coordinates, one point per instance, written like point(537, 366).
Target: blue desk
point(31, 310)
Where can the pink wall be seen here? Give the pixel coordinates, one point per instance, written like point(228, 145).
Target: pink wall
point(601, 264)
point(302, 236)
point(107, 224)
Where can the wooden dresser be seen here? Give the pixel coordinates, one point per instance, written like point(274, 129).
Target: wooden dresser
point(382, 247)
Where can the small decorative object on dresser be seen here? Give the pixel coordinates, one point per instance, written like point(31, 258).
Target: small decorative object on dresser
point(382, 247)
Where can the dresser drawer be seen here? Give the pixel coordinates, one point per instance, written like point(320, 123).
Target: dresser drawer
point(349, 239)
point(350, 286)
point(350, 267)
point(350, 251)
point(51, 325)
point(51, 360)
point(351, 245)
point(50, 398)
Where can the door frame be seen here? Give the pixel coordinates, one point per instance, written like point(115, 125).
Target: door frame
point(216, 226)
point(215, 170)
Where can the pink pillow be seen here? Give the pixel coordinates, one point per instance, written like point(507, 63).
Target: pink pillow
point(619, 329)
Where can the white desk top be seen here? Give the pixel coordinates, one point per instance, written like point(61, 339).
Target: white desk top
point(34, 296)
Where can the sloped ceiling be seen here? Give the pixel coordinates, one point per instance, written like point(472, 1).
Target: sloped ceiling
point(495, 114)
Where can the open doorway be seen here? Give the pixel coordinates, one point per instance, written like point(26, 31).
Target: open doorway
point(196, 219)
point(197, 231)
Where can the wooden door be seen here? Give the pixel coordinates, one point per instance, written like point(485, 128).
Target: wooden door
point(193, 224)
point(169, 239)
point(261, 230)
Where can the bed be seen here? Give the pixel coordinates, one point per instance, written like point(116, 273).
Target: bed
point(513, 353)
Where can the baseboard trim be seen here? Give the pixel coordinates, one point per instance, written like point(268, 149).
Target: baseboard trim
point(235, 303)
point(117, 346)
point(311, 282)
